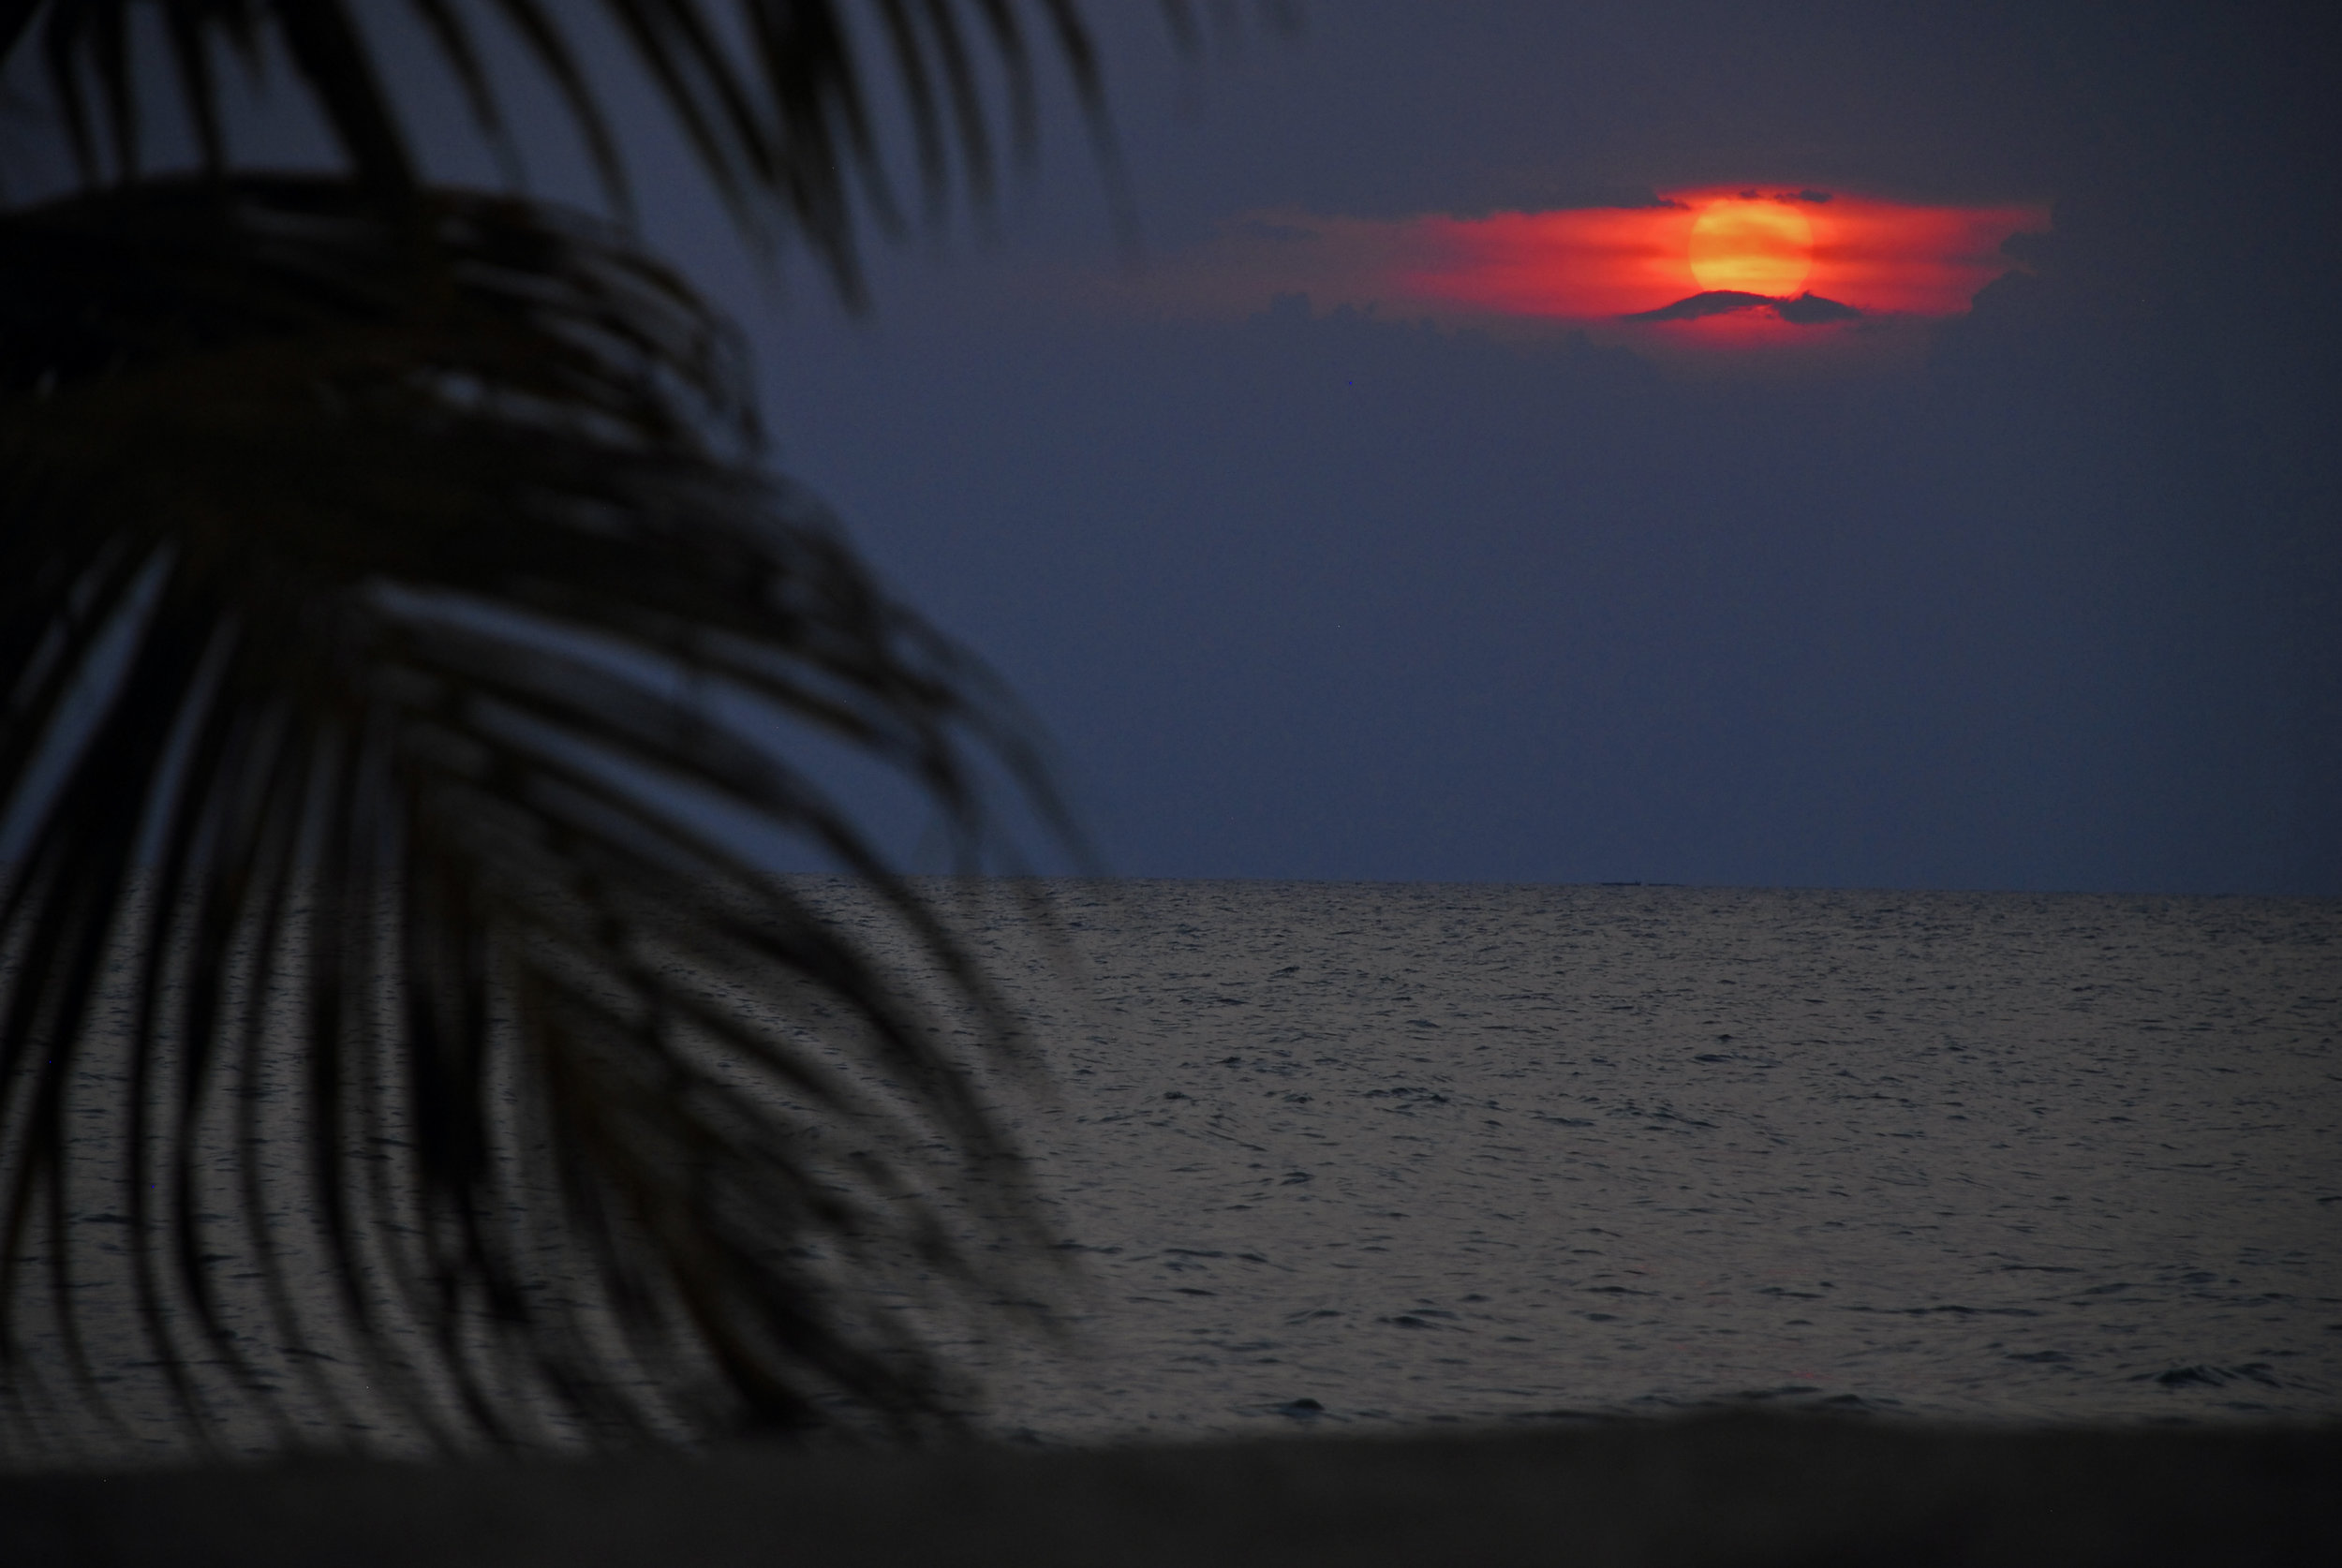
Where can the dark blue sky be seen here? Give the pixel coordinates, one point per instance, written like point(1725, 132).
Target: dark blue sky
point(1340, 595)
point(1325, 593)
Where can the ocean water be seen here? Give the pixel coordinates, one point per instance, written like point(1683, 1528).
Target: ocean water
point(1350, 1153)
point(1346, 1156)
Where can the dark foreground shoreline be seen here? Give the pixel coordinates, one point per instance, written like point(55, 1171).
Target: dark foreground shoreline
point(1737, 1488)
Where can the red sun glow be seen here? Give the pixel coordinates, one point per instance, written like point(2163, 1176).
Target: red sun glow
point(1873, 256)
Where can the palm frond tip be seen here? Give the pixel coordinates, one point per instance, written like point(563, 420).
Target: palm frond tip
point(772, 97)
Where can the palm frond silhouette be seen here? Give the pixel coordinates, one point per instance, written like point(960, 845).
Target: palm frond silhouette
point(383, 570)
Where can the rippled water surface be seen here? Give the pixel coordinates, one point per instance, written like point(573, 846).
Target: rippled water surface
point(1342, 1155)
point(1418, 1152)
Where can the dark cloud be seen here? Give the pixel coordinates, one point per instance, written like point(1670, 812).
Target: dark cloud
point(1623, 198)
point(2027, 249)
point(1807, 310)
point(1715, 302)
point(1572, 199)
point(1788, 197)
point(1292, 307)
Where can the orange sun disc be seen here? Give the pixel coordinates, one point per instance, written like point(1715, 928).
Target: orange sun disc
point(1752, 248)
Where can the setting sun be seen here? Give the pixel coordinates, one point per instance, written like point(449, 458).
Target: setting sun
point(1723, 272)
point(1752, 248)
point(1719, 265)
